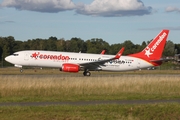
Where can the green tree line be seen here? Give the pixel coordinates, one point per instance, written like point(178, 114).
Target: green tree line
point(9, 45)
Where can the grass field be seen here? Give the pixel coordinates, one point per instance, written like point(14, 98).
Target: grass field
point(58, 88)
point(154, 84)
point(96, 112)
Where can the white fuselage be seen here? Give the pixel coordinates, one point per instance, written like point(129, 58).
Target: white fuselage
point(53, 59)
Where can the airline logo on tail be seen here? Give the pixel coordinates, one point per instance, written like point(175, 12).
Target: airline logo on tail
point(149, 51)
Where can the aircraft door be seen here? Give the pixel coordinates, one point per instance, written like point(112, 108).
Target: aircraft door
point(26, 56)
point(138, 64)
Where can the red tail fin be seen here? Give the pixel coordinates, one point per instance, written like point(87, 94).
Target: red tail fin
point(155, 48)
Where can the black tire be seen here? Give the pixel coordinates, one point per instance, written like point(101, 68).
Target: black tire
point(21, 70)
point(86, 73)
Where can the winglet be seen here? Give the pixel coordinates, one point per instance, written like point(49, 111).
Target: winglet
point(103, 52)
point(118, 55)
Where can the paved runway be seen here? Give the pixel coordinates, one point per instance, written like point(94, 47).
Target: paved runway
point(94, 75)
point(119, 102)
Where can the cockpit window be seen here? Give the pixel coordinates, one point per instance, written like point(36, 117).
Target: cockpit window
point(15, 54)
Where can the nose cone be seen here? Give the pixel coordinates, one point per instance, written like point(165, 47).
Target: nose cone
point(8, 59)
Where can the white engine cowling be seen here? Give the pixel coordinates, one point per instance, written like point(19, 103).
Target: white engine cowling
point(68, 67)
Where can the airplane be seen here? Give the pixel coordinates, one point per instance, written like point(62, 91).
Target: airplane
point(74, 62)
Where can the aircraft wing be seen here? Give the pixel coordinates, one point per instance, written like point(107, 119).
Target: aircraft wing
point(96, 64)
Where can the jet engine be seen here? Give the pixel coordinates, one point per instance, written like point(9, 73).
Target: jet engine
point(68, 67)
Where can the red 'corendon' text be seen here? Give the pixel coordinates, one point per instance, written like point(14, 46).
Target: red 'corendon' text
point(54, 57)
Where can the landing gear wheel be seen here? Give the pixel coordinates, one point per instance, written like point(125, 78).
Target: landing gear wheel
point(21, 70)
point(86, 73)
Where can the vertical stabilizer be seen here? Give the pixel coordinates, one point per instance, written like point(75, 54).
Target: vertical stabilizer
point(154, 49)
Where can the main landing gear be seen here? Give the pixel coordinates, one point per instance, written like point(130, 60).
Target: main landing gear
point(21, 70)
point(86, 73)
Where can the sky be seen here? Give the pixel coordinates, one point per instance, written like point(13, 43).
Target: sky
point(114, 21)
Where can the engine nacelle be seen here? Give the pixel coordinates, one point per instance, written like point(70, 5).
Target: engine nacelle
point(68, 67)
